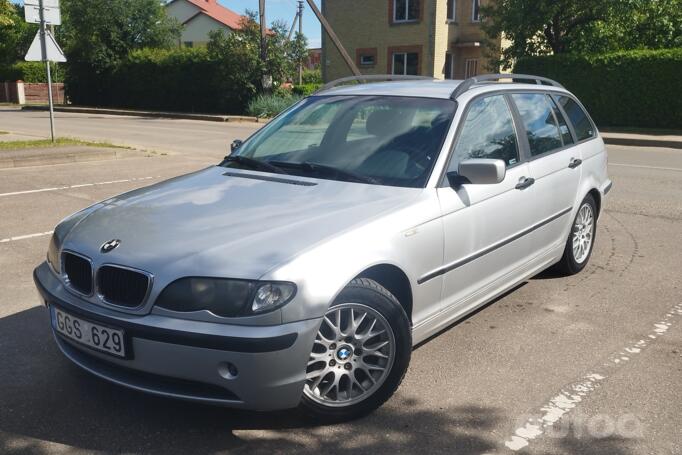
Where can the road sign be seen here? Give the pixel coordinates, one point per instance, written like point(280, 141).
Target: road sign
point(52, 15)
point(46, 3)
point(52, 50)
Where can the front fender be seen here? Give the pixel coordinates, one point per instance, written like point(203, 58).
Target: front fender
point(411, 240)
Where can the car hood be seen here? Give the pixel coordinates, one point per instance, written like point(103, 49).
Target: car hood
point(227, 222)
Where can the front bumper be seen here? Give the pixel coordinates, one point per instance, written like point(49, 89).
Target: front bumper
point(187, 359)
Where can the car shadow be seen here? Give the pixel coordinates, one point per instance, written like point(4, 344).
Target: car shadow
point(44, 398)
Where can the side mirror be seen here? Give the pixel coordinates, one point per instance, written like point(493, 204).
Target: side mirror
point(478, 171)
point(235, 145)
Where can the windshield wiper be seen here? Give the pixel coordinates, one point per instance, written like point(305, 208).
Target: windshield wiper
point(310, 167)
point(254, 164)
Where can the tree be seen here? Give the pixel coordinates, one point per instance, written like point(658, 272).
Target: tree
point(98, 34)
point(540, 27)
point(15, 34)
point(241, 49)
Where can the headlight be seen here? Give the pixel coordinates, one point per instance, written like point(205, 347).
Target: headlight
point(225, 297)
point(53, 255)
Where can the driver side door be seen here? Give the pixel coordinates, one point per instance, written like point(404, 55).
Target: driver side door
point(484, 223)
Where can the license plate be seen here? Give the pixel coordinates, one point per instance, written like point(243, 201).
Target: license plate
point(102, 338)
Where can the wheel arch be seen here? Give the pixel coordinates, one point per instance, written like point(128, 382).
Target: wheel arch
point(596, 195)
point(395, 280)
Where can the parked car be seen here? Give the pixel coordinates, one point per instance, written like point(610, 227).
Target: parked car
point(304, 267)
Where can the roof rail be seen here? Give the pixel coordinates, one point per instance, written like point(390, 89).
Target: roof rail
point(371, 78)
point(469, 83)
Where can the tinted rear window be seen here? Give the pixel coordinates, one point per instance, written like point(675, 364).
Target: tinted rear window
point(581, 122)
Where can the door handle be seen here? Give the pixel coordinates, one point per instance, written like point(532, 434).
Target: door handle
point(575, 162)
point(525, 182)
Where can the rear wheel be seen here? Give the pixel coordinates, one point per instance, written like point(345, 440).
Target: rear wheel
point(360, 355)
point(581, 239)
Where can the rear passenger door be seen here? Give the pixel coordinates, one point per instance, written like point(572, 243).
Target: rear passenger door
point(555, 164)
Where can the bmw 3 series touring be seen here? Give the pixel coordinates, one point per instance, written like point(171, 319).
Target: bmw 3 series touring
point(303, 268)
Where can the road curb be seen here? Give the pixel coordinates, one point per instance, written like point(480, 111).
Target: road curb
point(642, 142)
point(150, 114)
point(37, 157)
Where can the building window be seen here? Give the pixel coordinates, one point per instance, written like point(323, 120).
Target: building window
point(367, 60)
point(475, 10)
point(406, 63)
point(366, 56)
point(449, 68)
point(452, 10)
point(471, 67)
point(405, 10)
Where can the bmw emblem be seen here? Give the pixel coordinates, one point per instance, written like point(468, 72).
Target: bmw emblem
point(110, 245)
point(344, 353)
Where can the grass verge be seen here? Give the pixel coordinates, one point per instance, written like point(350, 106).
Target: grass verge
point(46, 143)
point(4, 132)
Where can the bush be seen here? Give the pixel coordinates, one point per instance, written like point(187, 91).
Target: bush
point(265, 106)
point(306, 89)
point(630, 88)
point(30, 72)
point(312, 76)
point(183, 79)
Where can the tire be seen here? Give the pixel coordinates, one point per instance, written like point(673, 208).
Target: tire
point(574, 258)
point(344, 378)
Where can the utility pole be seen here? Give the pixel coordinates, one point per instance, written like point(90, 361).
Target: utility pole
point(335, 39)
point(267, 82)
point(300, 32)
point(293, 25)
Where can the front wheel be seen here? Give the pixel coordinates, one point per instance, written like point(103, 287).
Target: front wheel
point(360, 354)
point(581, 238)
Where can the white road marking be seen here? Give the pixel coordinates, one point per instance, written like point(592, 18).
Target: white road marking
point(570, 396)
point(647, 167)
point(27, 236)
point(82, 185)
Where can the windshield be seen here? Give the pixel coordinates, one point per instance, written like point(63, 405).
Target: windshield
point(372, 139)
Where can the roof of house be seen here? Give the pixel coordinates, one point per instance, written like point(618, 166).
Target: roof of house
point(218, 12)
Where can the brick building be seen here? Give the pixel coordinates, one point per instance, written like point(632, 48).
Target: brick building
point(439, 38)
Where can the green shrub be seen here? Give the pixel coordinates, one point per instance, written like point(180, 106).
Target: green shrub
point(31, 72)
point(312, 76)
point(306, 89)
point(265, 106)
point(183, 79)
point(631, 88)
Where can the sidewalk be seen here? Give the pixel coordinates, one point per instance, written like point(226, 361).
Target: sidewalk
point(151, 114)
point(645, 139)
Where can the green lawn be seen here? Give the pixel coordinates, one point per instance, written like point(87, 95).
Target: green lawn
point(46, 143)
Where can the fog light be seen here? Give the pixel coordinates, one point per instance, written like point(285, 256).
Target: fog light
point(228, 370)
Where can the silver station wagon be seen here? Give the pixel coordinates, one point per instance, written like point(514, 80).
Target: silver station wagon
point(303, 268)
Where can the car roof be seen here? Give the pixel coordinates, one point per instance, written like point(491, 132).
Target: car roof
point(435, 88)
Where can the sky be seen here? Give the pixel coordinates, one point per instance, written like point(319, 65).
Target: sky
point(274, 10)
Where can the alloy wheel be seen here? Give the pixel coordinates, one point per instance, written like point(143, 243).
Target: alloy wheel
point(352, 355)
point(583, 231)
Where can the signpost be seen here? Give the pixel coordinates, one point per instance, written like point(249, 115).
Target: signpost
point(44, 47)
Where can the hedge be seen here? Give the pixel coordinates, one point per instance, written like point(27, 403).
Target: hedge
point(30, 72)
point(641, 88)
point(176, 80)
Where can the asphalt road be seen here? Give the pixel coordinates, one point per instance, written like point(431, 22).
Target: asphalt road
point(599, 354)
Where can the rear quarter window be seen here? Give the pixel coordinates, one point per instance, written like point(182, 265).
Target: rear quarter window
point(581, 122)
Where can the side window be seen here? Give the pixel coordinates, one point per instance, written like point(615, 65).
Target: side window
point(541, 128)
point(563, 126)
point(580, 121)
point(487, 132)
